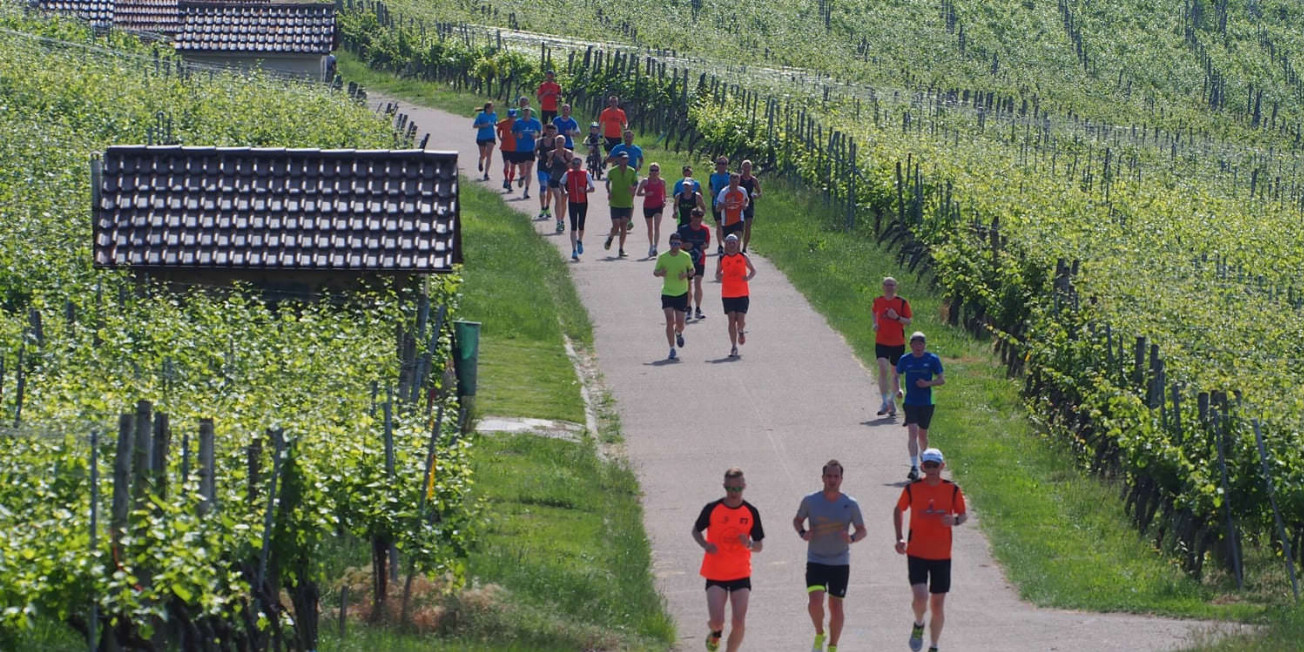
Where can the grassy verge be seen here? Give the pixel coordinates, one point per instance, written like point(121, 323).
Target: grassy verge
point(518, 287)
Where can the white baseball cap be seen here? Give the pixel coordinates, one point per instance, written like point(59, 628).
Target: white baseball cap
point(932, 455)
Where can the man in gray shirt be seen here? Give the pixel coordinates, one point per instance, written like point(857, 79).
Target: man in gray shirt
point(828, 556)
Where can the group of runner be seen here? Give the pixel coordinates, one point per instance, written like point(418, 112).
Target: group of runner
point(565, 183)
point(733, 531)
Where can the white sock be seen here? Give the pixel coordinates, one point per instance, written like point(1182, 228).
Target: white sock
point(914, 461)
point(885, 399)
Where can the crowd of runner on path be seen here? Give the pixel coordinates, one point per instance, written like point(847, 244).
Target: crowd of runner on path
point(544, 151)
point(729, 529)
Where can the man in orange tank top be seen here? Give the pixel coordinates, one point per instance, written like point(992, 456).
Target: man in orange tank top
point(733, 533)
point(733, 270)
point(936, 506)
point(891, 315)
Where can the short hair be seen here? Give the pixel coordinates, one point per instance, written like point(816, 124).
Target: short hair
point(732, 473)
point(830, 464)
point(697, 212)
point(734, 175)
point(747, 162)
point(889, 279)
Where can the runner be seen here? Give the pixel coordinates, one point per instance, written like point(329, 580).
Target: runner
point(687, 178)
point(484, 124)
point(577, 184)
point(922, 371)
point(733, 533)
point(676, 267)
point(688, 196)
point(653, 191)
point(891, 315)
point(732, 202)
point(621, 182)
point(593, 143)
point(526, 130)
point(543, 147)
point(549, 93)
point(567, 126)
point(753, 187)
point(508, 148)
point(627, 145)
point(697, 239)
point(734, 270)
point(613, 122)
point(719, 180)
point(936, 506)
point(559, 161)
point(828, 553)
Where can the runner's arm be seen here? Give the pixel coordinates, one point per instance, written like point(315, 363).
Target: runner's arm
point(640, 188)
point(751, 269)
point(757, 193)
point(719, 268)
point(896, 523)
point(937, 381)
point(700, 204)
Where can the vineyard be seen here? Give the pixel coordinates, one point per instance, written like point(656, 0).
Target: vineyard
point(176, 461)
point(1114, 195)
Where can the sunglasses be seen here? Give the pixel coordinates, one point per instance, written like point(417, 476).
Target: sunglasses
point(733, 490)
point(930, 465)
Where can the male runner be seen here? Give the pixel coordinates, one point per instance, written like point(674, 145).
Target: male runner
point(891, 315)
point(753, 187)
point(688, 196)
point(526, 129)
point(613, 121)
point(922, 372)
point(621, 182)
point(733, 533)
point(543, 147)
point(627, 145)
point(507, 146)
point(676, 267)
point(567, 126)
point(718, 181)
point(549, 93)
point(936, 506)
point(732, 201)
point(697, 239)
point(828, 555)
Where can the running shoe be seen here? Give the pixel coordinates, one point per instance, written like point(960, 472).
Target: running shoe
point(891, 408)
point(575, 255)
point(916, 637)
point(507, 185)
point(733, 353)
point(623, 254)
point(672, 355)
point(712, 642)
point(486, 176)
point(912, 476)
point(607, 245)
point(882, 408)
point(479, 166)
point(520, 181)
point(742, 337)
point(579, 245)
point(561, 226)
point(679, 339)
point(526, 194)
point(699, 314)
point(651, 252)
point(818, 645)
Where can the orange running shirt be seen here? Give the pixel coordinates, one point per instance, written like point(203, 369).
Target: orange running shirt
point(890, 331)
point(733, 268)
point(723, 525)
point(732, 201)
point(507, 139)
point(548, 93)
point(611, 121)
point(929, 538)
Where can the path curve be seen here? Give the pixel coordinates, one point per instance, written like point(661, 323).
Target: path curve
point(796, 398)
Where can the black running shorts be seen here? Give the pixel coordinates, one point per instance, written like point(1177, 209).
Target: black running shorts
point(935, 572)
point(831, 579)
point(731, 585)
point(921, 415)
point(736, 304)
point(578, 213)
point(618, 213)
point(679, 302)
point(890, 353)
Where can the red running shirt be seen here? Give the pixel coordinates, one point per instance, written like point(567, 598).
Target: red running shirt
point(929, 538)
point(733, 268)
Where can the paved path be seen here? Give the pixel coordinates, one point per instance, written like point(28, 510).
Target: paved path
point(796, 398)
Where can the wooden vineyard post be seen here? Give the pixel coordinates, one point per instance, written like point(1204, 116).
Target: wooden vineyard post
point(121, 482)
point(390, 464)
point(92, 637)
point(207, 471)
point(1221, 425)
point(1276, 513)
point(426, 485)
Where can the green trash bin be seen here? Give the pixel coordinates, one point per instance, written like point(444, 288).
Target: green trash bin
point(466, 355)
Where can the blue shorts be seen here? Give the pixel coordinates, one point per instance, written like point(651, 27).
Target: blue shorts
point(543, 177)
